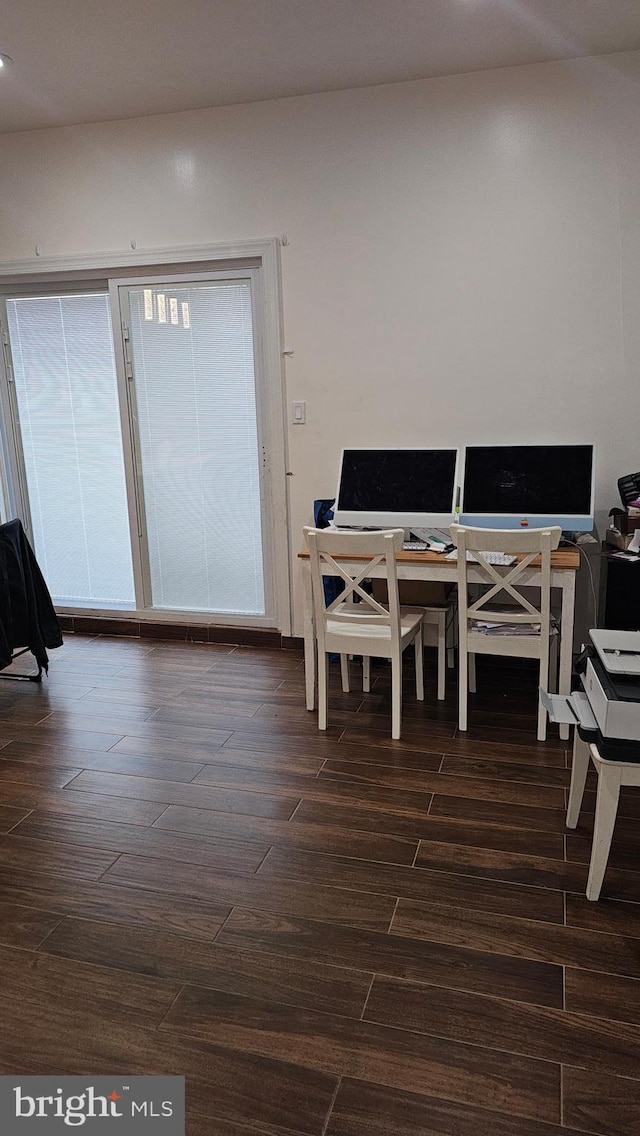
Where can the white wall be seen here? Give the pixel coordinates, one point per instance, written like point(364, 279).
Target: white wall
point(463, 260)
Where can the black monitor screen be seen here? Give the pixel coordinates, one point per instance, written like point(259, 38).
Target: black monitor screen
point(397, 481)
point(525, 480)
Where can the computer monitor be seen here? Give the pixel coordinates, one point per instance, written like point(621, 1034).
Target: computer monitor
point(396, 488)
point(517, 486)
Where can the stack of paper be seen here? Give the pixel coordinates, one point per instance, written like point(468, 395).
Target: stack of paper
point(488, 628)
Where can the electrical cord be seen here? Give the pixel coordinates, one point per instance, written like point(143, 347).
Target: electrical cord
point(590, 569)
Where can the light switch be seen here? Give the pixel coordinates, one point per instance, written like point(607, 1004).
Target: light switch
point(298, 413)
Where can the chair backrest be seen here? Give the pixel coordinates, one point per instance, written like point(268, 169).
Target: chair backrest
point(524, 543)
point(326, 547)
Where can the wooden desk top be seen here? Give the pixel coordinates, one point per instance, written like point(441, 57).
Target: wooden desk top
point(563, 558)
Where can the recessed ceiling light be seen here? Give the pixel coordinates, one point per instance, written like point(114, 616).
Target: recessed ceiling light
point(5, 61)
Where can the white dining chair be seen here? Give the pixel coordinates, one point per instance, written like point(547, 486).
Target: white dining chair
point(355, 623)
point(506, 582)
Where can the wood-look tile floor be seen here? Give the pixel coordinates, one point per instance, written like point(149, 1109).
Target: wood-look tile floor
point(329, 935)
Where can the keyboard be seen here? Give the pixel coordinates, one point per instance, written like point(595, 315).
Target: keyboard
point(440, 535)
point(414, 546)
point(490, 557)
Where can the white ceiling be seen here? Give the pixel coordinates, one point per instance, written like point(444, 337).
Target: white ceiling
point(94, 60)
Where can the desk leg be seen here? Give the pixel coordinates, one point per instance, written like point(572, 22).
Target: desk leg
point(566, 640)
point(309, 641)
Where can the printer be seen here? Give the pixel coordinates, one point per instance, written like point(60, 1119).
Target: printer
point(606, 711)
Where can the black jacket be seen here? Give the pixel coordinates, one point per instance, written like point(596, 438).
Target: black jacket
point(27, 618)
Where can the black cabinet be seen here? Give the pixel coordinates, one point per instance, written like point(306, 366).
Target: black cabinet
point(619, 606)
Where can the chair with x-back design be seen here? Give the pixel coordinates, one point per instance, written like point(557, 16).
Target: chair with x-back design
point(355, 623)
point(522, 631)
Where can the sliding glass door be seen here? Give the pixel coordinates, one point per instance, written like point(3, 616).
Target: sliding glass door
point(190, 355)
point(137, 456)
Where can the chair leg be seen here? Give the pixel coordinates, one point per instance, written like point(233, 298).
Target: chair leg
point(366, 673)
point(542, 722)
point(579, 770)
point(606, 810)
point(472, 672)
point(442, 655)
point(344, 671)
point(419, 650)
point(544, 684)
point(396, 696)
point(322, 690)
point(463, 682)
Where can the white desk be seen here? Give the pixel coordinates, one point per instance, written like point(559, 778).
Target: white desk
point(434, 566)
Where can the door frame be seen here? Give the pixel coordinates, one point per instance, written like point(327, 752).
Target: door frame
point(47, 272)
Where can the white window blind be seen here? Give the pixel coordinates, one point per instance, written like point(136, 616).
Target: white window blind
point(193, 366)
point(65, 382)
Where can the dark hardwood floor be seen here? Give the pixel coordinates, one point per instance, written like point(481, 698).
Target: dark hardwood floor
point(328, 934)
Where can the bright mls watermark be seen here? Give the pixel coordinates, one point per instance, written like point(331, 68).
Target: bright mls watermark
point(126, 1106)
